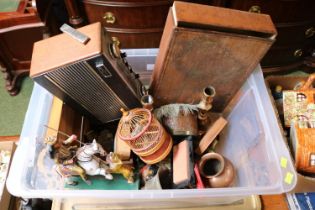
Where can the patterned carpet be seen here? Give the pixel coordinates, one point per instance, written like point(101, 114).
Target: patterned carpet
point(13, 108)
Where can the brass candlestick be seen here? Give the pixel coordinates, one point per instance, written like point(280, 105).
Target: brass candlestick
point(204, 107)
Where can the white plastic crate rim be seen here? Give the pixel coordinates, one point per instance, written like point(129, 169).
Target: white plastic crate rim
point(252, 141)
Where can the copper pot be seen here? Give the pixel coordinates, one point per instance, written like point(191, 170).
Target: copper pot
point(217, 170)
point(179, 119)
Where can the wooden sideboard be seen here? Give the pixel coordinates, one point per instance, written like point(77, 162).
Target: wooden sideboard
point(140, 23)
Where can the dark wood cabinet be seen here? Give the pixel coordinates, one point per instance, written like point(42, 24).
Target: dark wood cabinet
point(126, 15)
point(137, 24)
point(140, 23)
point(295, 22)
point(281, 11)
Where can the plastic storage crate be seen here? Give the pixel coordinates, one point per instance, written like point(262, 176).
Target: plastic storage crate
point(252, 141)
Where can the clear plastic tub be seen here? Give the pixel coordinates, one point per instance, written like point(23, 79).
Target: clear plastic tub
point(252, 141)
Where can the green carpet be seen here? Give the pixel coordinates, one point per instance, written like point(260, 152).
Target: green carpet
point(13, 108)
point(100, 183)
point(9, 5)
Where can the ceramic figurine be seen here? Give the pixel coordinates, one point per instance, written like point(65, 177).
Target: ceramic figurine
point(90, 163)
point(64, 155)
point(116, 166)
point(157, 176)
point(70, 139)
point(72, 161)
point(62, 152)
point(150, 177)
point(148, 172)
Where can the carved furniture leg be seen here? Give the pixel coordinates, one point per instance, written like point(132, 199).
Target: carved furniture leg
point(13, 79)
point(16, 81)
point(74, 14)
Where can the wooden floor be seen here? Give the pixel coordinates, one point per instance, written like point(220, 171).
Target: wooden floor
point(274, 202)
point(9, 138)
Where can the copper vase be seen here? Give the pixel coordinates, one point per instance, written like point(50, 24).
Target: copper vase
point(217, 170)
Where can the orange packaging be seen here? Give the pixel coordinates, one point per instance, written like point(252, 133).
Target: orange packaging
point(298, 104)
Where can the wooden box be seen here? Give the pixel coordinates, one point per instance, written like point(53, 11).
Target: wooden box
point(204, 45)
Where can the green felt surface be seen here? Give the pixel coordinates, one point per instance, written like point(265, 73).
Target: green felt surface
point(9, 5)
point(100, 183)
point(13, 108)
point(298, 73)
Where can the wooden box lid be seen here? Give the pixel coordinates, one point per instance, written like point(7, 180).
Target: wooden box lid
point(205, 45)
point(222, 19)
